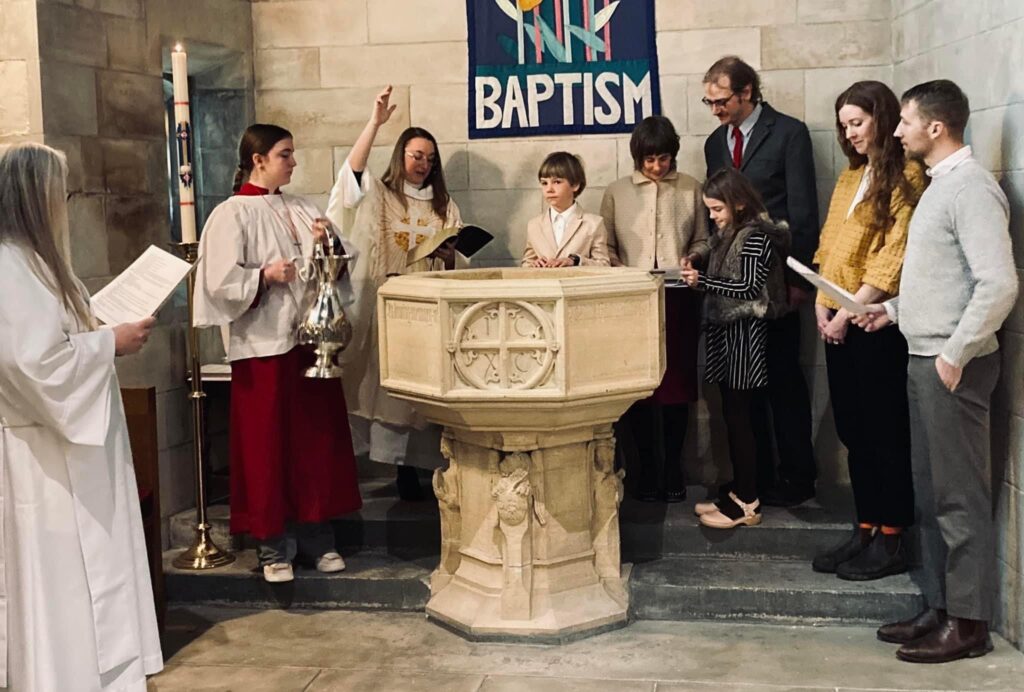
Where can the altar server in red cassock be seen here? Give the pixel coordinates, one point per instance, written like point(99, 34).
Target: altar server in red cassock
point(292, 466)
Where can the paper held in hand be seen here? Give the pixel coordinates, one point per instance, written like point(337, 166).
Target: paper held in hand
point(836, 293)
point(141, 289)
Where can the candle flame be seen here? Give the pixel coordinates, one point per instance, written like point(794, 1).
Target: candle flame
point(178, 48)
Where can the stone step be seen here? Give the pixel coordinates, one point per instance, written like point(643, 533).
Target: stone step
point(653, 530)
point(371, 581)
point(784, 591)
point(648, 530)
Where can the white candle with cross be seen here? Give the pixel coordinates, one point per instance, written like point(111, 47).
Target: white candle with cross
point(183, 138)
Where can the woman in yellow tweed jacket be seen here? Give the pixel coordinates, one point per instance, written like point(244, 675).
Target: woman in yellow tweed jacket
point(861, 249)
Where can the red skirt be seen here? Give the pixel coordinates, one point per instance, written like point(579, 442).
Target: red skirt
point(682, 334)
point(291, 447)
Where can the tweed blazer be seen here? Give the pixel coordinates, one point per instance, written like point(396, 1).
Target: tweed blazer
point(584, 236)
point(849, 254)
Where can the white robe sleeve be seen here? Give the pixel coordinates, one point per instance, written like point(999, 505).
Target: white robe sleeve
point(227, 279)
point(52, 377)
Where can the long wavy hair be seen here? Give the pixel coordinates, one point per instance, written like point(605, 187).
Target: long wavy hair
point(394, 178)
point(33, 197)
point(887, 161)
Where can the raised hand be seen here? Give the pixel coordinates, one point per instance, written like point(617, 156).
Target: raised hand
point(381, 109)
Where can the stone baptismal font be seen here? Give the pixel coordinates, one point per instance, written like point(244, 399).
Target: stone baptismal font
point(526, 369)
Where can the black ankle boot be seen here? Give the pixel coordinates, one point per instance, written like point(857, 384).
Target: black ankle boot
point(885, 555)
point(827, 562)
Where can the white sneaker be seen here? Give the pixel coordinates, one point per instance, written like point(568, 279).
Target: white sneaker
point(278, 572)
point(330, 562)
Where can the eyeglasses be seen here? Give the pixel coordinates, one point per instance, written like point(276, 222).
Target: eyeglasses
point(717, 103)
point(419, 157)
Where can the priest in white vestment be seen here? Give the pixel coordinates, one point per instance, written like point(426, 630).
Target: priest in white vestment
point(76, 603)
point(383, 220)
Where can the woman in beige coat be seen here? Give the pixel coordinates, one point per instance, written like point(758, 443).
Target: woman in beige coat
point(656, 220)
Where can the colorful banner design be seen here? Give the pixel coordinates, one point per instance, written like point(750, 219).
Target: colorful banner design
point(546, 67)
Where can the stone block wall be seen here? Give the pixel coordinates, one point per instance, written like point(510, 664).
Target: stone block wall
point(319, 64)
point(978, 45)
point(21, 113)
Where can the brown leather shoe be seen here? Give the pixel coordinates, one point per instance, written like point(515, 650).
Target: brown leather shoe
point(916, 627)
point(954, 639)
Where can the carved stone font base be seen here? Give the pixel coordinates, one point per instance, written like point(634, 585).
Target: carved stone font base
point(526, 370)
point(529, 533)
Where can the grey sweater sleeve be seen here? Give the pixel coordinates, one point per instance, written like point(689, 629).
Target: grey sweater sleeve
point(982, 228)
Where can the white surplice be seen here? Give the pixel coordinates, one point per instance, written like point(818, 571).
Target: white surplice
point(244, 234)
point(76, 603)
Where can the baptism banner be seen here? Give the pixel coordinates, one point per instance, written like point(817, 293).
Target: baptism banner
point(546, 67)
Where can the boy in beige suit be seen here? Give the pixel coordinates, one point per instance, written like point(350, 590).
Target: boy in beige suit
point(564, 236)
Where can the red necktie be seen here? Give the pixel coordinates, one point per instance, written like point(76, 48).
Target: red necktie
point(737, 148)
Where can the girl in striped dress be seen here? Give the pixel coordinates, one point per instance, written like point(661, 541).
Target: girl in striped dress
point(745, 287)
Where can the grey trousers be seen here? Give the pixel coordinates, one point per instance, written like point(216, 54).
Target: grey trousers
point(312, 540)
point(949, 442)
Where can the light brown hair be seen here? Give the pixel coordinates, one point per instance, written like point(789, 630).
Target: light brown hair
point(394, 178)
point(562, 164)
point(33, 185)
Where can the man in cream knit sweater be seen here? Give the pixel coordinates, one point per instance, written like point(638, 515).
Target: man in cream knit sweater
point(958, 285)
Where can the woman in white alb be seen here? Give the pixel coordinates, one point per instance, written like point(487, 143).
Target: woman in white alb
point(74, 578)
point(382, 220)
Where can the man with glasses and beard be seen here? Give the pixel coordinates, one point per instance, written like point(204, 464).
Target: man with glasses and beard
point(773, 151)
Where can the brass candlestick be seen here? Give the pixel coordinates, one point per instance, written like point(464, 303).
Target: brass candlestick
point(204, 553)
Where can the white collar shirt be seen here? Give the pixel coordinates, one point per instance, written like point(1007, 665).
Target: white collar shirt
point(950, 162)
point(559, 220)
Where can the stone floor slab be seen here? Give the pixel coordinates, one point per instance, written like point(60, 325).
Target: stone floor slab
point(519, 683)
point(671, 652)
point(718, 687)
point(389, 681)
point(189, 678)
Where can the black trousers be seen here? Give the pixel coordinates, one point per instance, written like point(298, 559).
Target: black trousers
point(737, 407)
point(867, 380)
point(787, 408)
point(659, 456)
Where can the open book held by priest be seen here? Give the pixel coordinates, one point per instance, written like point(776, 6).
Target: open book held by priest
point(468, 241)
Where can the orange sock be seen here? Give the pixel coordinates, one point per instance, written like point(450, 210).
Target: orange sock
point(891, 530)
